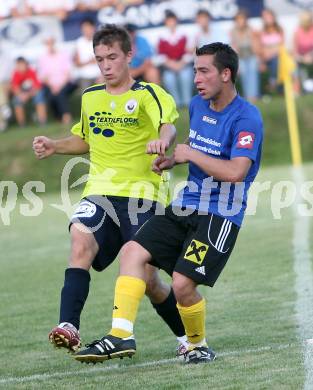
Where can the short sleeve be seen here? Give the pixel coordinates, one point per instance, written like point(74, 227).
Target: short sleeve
point(247, 137)
point(15, 80)
point(81, 128)
point(160, 105)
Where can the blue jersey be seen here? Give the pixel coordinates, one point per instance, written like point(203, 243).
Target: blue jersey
point(236, 131)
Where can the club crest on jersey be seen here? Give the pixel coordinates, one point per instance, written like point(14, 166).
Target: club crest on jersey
point(131, 105)
point(245, 140)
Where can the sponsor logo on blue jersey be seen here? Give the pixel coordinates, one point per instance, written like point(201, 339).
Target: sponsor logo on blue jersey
point(234, 132)
point(207, 119)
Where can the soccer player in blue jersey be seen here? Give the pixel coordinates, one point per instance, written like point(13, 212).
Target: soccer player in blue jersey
point(202, 224)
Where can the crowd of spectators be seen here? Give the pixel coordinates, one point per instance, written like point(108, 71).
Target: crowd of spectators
point(58, 8)
point(57, 73)
point(245, 41)
point(303, 51)
point(175, 53)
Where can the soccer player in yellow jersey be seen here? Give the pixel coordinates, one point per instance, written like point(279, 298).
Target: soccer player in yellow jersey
point(123, 124)
point(203, 222)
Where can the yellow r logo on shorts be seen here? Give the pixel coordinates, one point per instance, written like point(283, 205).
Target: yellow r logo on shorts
point(196, 252)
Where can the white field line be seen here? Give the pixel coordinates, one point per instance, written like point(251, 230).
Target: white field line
point(303, 282)
point(153, 363)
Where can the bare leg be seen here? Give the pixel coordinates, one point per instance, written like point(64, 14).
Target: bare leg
point(20, 115)
point(185, 290)
point(156, 289)
point(41, 111)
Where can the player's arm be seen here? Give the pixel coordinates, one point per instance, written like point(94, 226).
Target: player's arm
point(233, 171)
point(44, 147)
point(76, 143)
point(163, 114)
point(246, 145)
point(167, 137)
point(163, 162)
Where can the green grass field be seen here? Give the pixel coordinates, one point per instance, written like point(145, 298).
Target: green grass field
point(251, 313)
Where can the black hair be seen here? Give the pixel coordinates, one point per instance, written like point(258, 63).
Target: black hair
point(111, 33)
point(203, 11)
point(88, 21)
point(224, 57)
point(170, 14)
point(21, 59)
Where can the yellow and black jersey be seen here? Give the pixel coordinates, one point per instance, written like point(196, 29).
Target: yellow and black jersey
point(117, 129)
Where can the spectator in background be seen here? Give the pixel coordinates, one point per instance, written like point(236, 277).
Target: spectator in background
point(177, 72)
point(87, 69)
point(54, 70)
point(303, 50)
point(5, 71)
point(5, 111)
point(25, 86)
point(271, 38)
point(246, 42)
point(141, 66)
point(20, 9)
point(15, 9)
point(203, 21)
point(121, 5)
point(58, 8)
point(92, 5)
point(208, 31)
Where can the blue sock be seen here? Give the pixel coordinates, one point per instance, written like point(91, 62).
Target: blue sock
point(74, 294)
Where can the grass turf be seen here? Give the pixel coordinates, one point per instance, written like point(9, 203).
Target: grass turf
point(251, 320)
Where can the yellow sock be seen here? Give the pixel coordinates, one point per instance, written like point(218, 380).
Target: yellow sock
point(128, 294)
point(193, 318)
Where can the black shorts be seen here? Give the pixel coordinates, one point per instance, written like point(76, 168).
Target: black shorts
point(197, 246)
point(113, 220)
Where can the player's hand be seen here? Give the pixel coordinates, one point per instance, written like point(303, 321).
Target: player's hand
point(161, 163)
point(43, 147)
point(182, 153)
point(157, 146)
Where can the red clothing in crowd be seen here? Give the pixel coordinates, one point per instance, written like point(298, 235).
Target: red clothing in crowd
point(25, 81)
point(173, 50)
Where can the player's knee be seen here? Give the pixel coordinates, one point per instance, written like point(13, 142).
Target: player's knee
point(81, 254)
point(184, 289)
point(83, 249)
point(132, 253)
point(179, 289)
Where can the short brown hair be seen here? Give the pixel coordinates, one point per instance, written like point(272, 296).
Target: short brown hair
point(111, 33)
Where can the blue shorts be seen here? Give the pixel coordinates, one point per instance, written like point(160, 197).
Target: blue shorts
point(113, 220)
point(36, 99)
